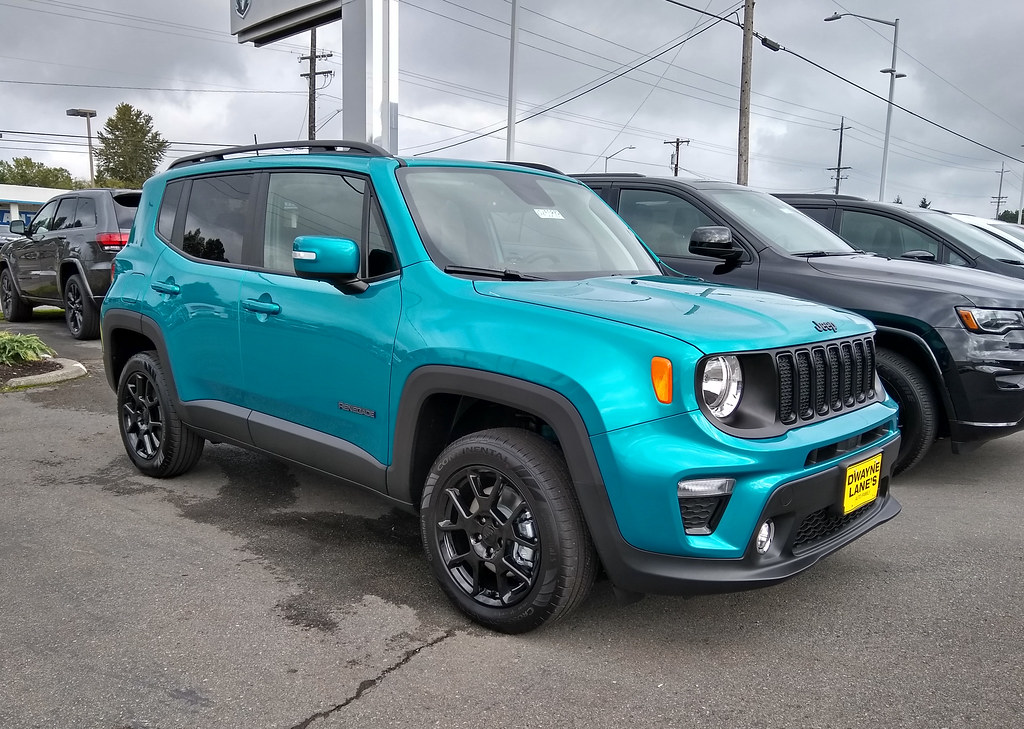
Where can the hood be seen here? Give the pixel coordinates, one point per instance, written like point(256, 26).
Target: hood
point(977, 286)
point(711, 317)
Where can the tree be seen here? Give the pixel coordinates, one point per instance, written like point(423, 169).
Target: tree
point(925, 203)
point(129, 148)
point(25, 171)
point(898, 200)
point(1008, 216)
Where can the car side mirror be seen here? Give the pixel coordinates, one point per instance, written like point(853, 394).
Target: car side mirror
point(919, 255)
point(18, 226)
point(334, 260)
point(714, 241)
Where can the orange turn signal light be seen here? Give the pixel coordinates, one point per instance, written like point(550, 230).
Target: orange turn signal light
point(968, 319)
point(661, 378)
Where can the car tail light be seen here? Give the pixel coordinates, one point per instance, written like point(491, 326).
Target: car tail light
point(112, 242)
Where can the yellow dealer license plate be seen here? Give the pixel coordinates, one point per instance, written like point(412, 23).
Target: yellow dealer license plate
point(862, 483)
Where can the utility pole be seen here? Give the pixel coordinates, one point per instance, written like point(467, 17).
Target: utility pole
point(311, 75)
point(1000, 198)
point(743, 156)
point(675, 155)
point(839, 162)
point(513, 41)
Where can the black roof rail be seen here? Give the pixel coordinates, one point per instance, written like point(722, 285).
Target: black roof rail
point(531, 165)
point(315, 146)
point(584, 175)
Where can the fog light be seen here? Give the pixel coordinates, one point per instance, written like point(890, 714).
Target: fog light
point(765, 534)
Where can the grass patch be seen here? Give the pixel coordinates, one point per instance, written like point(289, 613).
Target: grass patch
point(19, 348)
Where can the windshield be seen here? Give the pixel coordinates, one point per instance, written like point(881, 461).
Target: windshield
point(778, 223)
point(1010, 229)
point(506, 220)
point(980, 241)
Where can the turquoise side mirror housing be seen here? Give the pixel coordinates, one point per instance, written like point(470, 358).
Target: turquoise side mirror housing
point(334, 260)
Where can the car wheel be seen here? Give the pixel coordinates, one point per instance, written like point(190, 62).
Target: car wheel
point(14, 309)
point(919, 412)
point(80, 313)
point(156, 440)
point(503, 530)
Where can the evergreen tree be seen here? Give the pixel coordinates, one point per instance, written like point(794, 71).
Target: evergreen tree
point(898, 200)
point(925, 203)
point(129, 148)
point(25, 171)
point(1008, 216)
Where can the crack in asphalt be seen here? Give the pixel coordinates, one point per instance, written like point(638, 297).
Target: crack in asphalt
point(371, 682)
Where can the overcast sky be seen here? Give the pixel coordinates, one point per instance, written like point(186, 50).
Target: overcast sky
point(178, 62)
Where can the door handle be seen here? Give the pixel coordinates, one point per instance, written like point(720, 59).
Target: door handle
point(261, 307)
point(166, 287)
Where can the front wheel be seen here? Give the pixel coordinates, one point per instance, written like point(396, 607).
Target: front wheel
point(13, 308)
point(919, 411)
point(503, 530)
point(156, 440)
point(80, 312)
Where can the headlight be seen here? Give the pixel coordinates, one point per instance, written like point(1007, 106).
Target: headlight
point(990, 321)
point(722, 385)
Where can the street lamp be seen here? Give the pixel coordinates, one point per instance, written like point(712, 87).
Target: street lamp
point(615, 153)
point(88, 114)
point(892, 88)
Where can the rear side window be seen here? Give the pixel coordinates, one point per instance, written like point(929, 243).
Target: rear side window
point(168, 208)
point(125, 207)
point(65, 216)
point(85, 213)
point(216, 217)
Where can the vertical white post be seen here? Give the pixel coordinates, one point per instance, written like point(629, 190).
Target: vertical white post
point(510, 136)
point(369, 53)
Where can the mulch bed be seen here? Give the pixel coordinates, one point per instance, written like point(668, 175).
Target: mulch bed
point(24, 369)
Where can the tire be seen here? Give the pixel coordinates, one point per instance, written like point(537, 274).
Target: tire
point(14, 309)
point(156, 440)
point(503, 530)
point(919, 411)
point(80, 312)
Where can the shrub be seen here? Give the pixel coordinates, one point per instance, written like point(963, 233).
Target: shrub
point(17, 348)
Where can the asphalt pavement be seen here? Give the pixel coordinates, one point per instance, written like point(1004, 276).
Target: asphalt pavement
point(251, 594)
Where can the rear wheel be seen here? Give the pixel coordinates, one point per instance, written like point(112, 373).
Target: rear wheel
point(503, 530)
point(80, 313)
point(919, 411)
point(14, 309)
point(156, 440)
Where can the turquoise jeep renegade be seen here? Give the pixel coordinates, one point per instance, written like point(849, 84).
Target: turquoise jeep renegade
point(490, 346)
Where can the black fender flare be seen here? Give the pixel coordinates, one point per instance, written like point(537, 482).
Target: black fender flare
point(77, 265)
point(935, 375)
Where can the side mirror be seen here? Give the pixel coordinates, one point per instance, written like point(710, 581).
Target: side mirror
point(919, 255)
point(714, 241)
point(334, 260)
point(18, 226)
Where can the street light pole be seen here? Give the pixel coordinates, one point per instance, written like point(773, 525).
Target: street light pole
point(615, 153)
point(88, 114)
point(893, 75)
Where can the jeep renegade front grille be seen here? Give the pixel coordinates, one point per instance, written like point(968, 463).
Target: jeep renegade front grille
point(823, 379)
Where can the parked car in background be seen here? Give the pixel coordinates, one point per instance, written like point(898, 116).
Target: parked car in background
point(63, 258)
point(6, 234)
point(491, 347)
point(899, 231)
point(950, 339)
point(1011, 233)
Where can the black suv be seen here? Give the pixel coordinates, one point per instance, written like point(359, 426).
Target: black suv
point(950, 339)
point(63, 258)
point(895, 231)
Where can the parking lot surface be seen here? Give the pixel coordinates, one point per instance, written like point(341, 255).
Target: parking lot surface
point(251, 594)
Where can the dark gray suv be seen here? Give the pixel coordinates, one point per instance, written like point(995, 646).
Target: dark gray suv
point(63, 258)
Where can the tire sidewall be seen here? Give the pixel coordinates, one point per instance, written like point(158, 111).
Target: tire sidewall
point(145, 363)
point(537, 605)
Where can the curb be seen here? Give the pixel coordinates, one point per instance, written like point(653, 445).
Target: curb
point(70, 370)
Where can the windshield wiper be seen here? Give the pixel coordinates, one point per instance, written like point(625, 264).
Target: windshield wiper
point(820, 254)
point(1010, 261)
point(505, 274)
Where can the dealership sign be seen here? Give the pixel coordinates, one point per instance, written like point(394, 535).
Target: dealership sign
point(266, 21)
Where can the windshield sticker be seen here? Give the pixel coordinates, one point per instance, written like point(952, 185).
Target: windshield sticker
point(548, 214)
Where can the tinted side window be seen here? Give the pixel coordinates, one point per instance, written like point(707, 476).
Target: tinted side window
point(65, 216)
point(217, 217)
point(85, 213)
point(663, 221)
point(44, 218)
point(309, 203)
point(125, 207)
point(884, 236)
point(168, 209)
point(821, 215)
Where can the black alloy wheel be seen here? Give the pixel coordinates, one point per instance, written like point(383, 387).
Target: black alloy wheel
point(13, 308)
point(504, 532)
point(155, 438)
point(79, 310)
